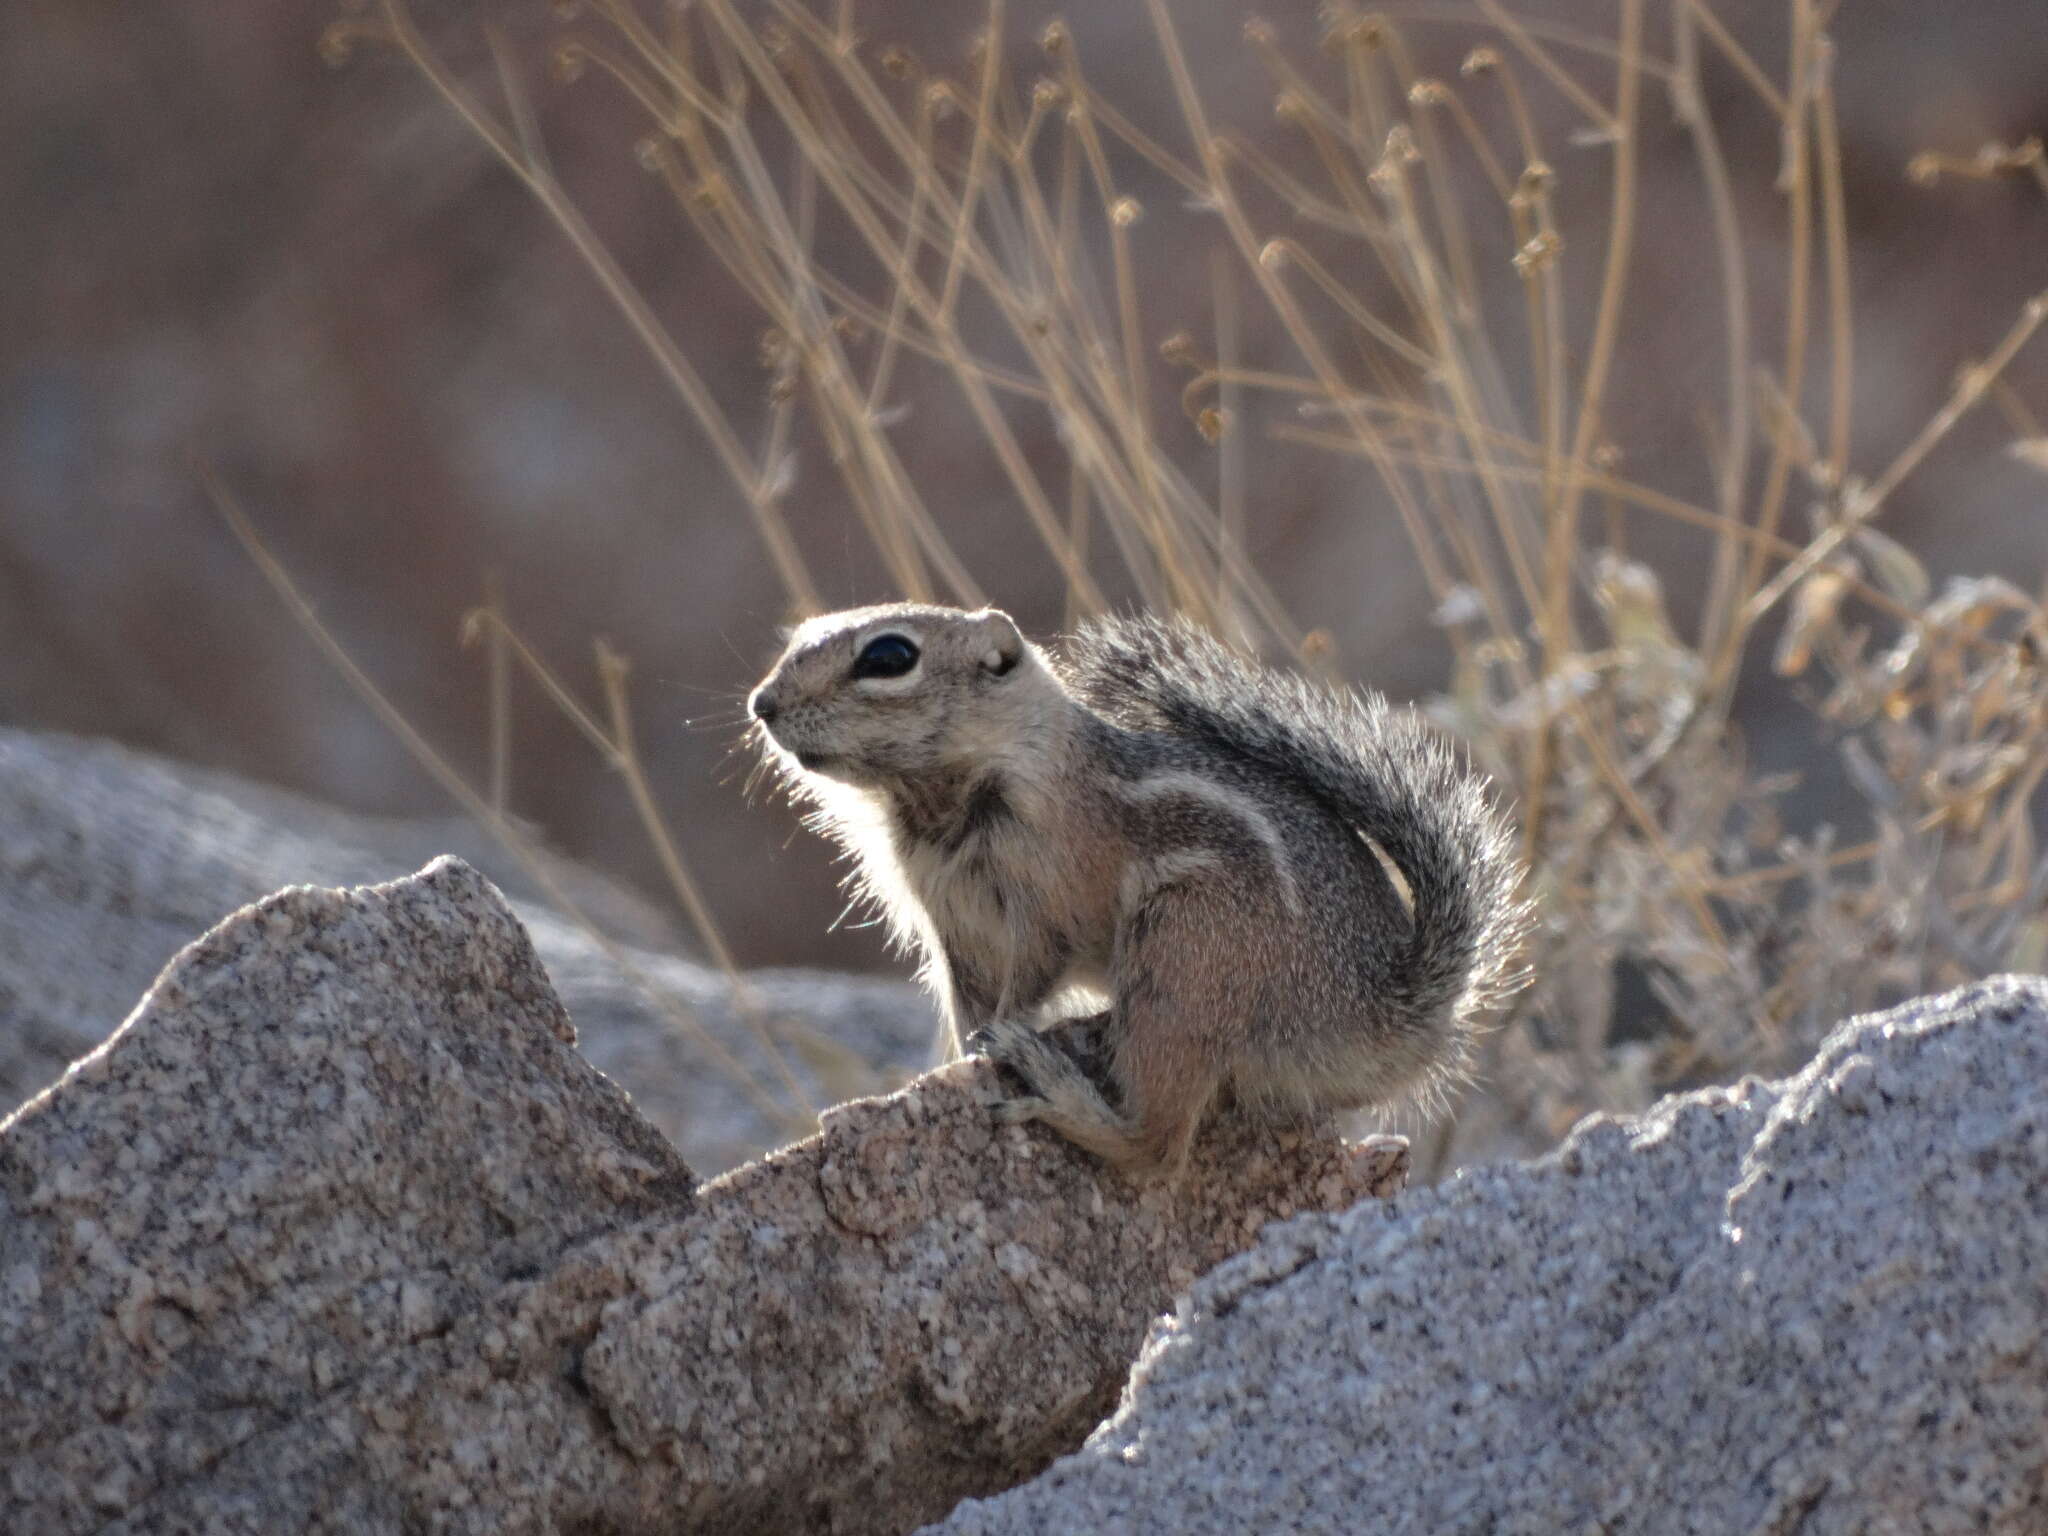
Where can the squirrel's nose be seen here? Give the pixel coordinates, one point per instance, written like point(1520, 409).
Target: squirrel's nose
point(763, 705)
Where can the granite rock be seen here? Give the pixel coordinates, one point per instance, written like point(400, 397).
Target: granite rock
point(110, 860)
point(1817, 1304)
point(338, 1233)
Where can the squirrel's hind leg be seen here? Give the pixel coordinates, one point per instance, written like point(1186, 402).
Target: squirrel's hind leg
point(1061, 1095)
point(1058, 1092)
point(1163, 1035)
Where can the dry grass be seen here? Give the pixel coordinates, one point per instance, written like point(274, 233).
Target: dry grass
point(985, 233)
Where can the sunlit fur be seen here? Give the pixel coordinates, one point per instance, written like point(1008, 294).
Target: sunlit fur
point(1149, 814)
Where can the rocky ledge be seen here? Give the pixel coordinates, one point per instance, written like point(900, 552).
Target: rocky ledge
point(1815, 1305)
point(339, 1233)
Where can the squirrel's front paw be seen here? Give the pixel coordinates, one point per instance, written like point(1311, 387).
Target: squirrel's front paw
point(1003, 1040)
point(1026, 1058)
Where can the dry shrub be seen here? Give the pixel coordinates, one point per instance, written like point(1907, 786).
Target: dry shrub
point(1401, 247)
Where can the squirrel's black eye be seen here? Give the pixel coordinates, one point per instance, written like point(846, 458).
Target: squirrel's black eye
point(885, 656)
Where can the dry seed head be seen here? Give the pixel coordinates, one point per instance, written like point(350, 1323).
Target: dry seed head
point(1995, 157)
point(1625, 586)
point(650, 153)
point(1499, 650)
point(1815, 603)
point(1273, 255)
point(1606, 454)
point(1212, 423)
point(1259, 32)
point(1178, 350)
point(1288, 107)
point(898, 62)
point(1369, 33)
point(338, 43)
point(1480, 61)
point(1462, 604)
point(1055, 38)
point(1924, 169)
point(1971, 604)
point(1902, 663)
point(937, 98)
point(1532, 185)
point(1047, 94)
point(1428, 93)
point(1388, 174)
point(1539, 252)
point(1125, 212)
point(567, 61)
point(2032, 451)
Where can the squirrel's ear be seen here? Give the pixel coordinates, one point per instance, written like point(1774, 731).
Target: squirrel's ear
point(1000, 643)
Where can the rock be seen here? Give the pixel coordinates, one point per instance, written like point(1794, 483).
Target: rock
point(110, 860)
point(1816, 1304)
point(338, 1233)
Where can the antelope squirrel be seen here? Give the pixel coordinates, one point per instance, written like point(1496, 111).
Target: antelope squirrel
point(1143, 812)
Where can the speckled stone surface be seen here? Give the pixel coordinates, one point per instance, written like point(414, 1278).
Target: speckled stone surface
point(1816, 1305)
point(111, 860)
point(338, 1233)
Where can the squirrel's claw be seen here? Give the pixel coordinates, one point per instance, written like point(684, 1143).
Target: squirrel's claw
point(1005, 1040)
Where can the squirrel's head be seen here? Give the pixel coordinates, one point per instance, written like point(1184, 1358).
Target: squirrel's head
point(901, 692)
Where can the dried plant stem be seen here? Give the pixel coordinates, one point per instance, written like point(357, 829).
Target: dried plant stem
point(775, 89)
point(1554, 620)
point(661, 346)
point(989, 239)
point(1796, 180)
point(475, 805)
point(1835, 243)
point(1969, 388)
point(1298, 329)
point(612, 668)
point(1732, 473)
point(500, 697)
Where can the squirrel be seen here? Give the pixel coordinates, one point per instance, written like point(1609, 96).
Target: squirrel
point(1143, 812)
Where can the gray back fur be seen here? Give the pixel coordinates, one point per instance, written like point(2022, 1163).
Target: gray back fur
point(1375, 767)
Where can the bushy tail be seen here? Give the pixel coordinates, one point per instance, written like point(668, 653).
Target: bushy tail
point(1377, 767)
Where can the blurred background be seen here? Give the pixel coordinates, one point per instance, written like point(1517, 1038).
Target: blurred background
point(240, 236)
